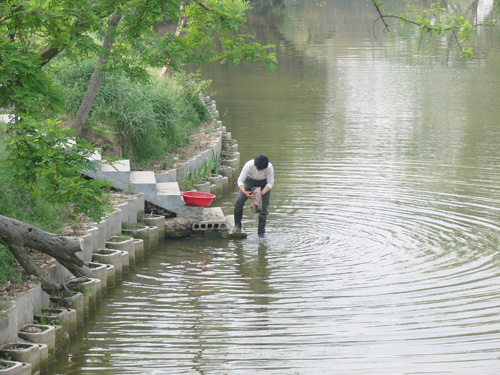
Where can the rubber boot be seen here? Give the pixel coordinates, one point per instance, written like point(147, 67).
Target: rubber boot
point(238, 214)
point(262, 226)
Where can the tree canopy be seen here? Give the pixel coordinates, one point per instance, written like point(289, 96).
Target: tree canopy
point(34, 32)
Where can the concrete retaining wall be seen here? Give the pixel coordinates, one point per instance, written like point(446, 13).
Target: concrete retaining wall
point(22, 310)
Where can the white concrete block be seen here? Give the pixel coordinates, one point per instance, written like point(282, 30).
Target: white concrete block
point(117, 166)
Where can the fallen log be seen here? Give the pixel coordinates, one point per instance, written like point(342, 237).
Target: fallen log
point(18, 235)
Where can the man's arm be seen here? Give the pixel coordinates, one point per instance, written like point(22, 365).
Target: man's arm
point(270, 180)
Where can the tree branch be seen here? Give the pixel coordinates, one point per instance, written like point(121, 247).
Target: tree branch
point(207, 8)
point(381, 16)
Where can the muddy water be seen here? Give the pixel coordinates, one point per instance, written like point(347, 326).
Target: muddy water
point(382, 254)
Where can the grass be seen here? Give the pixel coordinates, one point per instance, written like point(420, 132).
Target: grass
point(150, 118)
point(202, 174)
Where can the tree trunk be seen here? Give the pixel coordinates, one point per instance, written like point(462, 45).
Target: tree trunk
point(17, 235)
point(178, 30)
point(48, 53)
point(97, 77)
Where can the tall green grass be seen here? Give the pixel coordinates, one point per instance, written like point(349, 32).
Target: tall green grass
point(151, 117)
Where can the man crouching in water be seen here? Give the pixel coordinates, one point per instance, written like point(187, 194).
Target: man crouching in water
point(256, 172)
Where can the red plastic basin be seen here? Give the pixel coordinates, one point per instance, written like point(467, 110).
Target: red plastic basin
point(196, 198)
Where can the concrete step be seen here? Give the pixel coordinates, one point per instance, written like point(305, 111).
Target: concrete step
point(168, 196)
point(230, 225)
point(213, 220)
point(144, 182)
point(159, 189)
point(117, 166)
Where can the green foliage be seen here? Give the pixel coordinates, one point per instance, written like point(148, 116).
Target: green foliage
point(47, 162)
point(33, 32)
point(215, 163)
point(23, 84)
point(44, 317)
point(15, 200)
point(219, 35)
point(437, 21)
point(5, 365)
point(17, 203)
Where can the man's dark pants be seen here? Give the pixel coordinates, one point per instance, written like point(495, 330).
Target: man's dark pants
point(242, 198)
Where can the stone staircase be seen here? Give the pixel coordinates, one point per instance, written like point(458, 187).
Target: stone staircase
point(161, 188)
point(166, 195)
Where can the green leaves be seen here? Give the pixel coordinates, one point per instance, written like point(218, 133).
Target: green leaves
point(218, 34)
point(47, 161)
point(22, 81)
point(435, 21)
point(33, 32)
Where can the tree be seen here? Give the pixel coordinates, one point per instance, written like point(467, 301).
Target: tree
point(34, 32)
point(433, 21)
point(47, 162)
point(97, 76)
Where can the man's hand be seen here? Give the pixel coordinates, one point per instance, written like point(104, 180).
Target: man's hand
point(248, 194)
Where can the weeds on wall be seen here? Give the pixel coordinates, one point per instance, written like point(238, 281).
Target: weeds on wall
point(226, 149)
point(202, 174)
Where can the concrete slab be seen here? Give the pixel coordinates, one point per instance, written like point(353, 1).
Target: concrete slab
point(230, 225)
point(117, 166)
point(166, 176)
point(96, 156)
point(144, 182)
point(213, 213)
point(6, 118)
point(142, 177)
point(168, 188)
point(213, 220)
point(168, 196)
point(120, 180)
point(192, 212)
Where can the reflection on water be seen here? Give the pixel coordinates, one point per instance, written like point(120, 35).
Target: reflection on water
point(382, 248)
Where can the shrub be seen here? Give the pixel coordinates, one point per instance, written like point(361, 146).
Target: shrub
point(46, 161)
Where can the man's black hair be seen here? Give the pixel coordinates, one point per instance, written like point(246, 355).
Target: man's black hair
point(261, 161)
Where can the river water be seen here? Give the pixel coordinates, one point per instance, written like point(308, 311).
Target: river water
point(382, 249)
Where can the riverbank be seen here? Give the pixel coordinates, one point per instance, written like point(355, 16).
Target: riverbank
point(206, 134)
point(28, 295)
